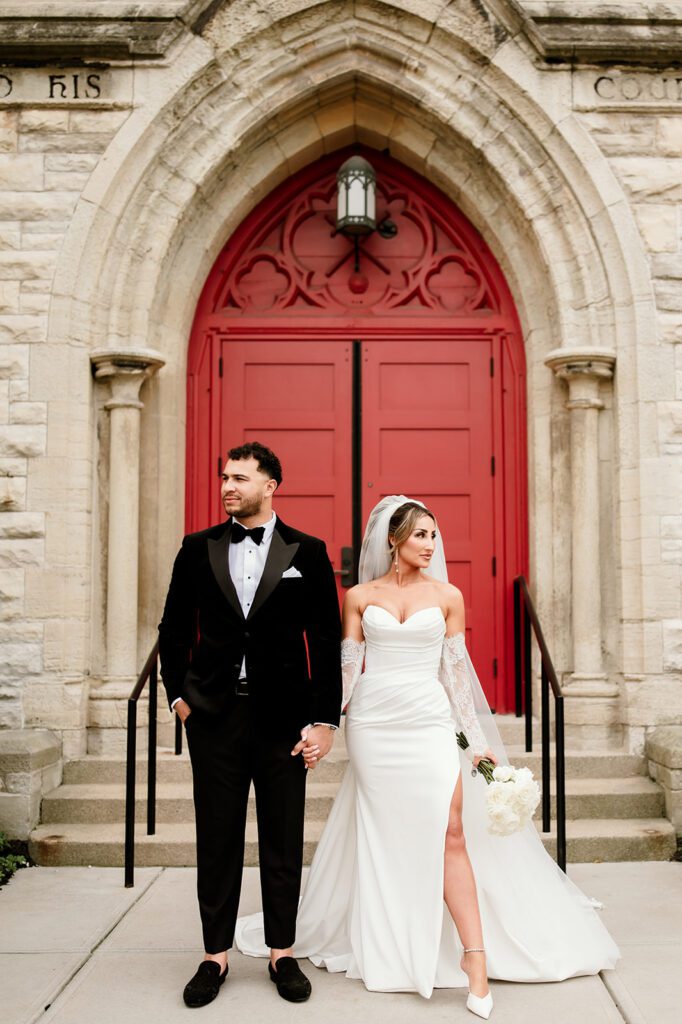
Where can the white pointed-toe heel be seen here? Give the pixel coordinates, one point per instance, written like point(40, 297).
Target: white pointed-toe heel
point(482, 1006)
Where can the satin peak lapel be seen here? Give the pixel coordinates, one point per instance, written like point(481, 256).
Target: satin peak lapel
point(218, 556)
point(279, 558)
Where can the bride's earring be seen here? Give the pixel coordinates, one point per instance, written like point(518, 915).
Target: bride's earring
point(394, 555)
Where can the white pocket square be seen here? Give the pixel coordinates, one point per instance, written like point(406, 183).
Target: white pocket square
point(291, 573)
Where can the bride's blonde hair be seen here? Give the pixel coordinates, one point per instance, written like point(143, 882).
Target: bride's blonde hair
point(403, 522)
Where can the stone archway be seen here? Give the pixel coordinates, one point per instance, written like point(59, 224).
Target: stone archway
point(465, 112)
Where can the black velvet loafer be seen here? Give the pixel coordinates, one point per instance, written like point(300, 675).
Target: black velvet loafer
point(290, 980)
point(204, 986)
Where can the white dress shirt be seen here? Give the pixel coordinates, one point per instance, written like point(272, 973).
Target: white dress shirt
point(247, 562)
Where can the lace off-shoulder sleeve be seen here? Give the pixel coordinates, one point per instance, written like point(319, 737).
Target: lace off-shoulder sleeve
point(454, 677)
point(352, 657)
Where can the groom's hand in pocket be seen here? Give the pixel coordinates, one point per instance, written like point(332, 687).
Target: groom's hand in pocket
point(316, 741)
point(182, 710)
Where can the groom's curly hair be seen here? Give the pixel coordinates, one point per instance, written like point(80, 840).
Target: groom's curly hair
point(268, 462)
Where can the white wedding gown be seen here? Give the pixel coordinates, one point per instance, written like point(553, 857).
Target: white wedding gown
point(373, 903)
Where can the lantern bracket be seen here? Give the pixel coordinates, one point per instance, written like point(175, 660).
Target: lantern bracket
point(387, 228)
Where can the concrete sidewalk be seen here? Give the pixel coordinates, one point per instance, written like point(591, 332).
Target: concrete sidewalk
point(76, 947)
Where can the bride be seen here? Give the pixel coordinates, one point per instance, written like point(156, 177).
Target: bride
point(395, 896)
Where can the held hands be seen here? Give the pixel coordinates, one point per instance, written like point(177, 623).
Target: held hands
point(316, 741)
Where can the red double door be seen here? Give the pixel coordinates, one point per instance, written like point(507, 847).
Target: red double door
point(353, 420)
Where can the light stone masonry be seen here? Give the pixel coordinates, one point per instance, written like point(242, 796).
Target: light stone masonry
point(29, 767)
point(664, 751)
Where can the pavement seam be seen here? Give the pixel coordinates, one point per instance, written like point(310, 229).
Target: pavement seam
point(622, 999)
point(87, 957)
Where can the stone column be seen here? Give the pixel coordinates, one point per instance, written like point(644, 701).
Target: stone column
point(125, 372)
point(592, 703)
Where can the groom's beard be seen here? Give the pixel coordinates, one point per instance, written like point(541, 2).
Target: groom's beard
point(247, 507)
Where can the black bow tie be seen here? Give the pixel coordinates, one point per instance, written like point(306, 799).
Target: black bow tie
point(239, 532)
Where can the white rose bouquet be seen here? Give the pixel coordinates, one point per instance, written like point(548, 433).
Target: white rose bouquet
point(512, 796)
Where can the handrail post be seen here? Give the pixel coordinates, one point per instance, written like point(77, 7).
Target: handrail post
point(151, 752)
point(546, 804)
point(560, 784)
point(528, 670)
point(178, 735)
point(129, 854)
point(525, 618)
point(148, 672)
point(517, 648)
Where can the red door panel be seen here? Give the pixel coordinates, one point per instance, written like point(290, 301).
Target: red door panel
point(296, 398)
point(428, 433)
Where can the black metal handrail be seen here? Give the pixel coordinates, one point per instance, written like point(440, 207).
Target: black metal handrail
point(525, 616)
point(150, 673)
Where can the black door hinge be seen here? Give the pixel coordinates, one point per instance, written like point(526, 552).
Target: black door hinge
point(220, 465)
point(492, 465)
point(220, 367)
point(494, 668)
point(492, 366)
point(494, 565)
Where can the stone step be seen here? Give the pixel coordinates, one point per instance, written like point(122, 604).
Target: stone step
point(102, 803)
point(598, 764)
point(171, 768)
point(635, 797)
point(590, 840)
point(627, 798)
point(581, 764)
point(595, 840)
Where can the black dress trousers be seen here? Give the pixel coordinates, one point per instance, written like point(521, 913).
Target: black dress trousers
point(228, 751)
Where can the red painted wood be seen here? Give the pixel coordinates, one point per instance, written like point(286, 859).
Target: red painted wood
point(435, 297)
point(296, 399)
point(427, 422)
point(286, 262)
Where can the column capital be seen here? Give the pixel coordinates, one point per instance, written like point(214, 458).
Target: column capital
point(125, 370)
point(582, 369)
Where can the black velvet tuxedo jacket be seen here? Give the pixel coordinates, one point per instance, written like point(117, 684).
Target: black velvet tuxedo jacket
point(290, 638)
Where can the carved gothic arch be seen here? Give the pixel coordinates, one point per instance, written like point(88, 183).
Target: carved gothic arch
point(556, 180)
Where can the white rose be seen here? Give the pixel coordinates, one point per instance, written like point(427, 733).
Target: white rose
point(496, 795)
point(526, 797)
point(502, 820)
point(523, 775)
point(503, 773)
point(527, 791)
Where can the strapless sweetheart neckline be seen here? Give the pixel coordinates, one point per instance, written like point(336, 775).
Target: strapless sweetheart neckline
point(429, 608)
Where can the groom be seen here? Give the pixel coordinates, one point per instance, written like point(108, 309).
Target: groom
point(249, 644)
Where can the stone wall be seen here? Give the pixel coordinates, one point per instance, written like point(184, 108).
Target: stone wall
point(47, 156)
point(118, 191)
point(635, 117)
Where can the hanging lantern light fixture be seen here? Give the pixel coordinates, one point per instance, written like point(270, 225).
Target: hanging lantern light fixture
point(356, 197)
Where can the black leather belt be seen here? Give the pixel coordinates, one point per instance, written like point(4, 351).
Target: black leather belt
point(241, 688)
